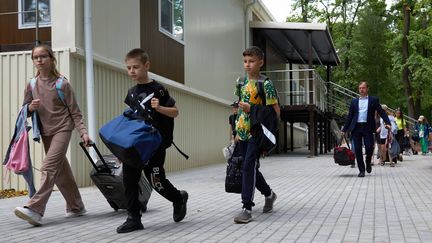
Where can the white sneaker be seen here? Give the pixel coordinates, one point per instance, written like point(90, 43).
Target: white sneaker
point(80, 213)
point(28, 215)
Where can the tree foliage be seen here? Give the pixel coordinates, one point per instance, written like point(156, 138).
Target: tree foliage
point(368, 36)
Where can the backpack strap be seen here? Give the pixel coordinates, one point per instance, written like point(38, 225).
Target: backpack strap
point(32, 85)
point(240, 82)
point(260, 86)
point(60, 93)
point(58, 85)
point(181, 152)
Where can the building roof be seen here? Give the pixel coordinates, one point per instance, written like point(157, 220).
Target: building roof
point(291, 40)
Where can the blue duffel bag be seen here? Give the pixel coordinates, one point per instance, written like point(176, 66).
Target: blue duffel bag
point(130, 139)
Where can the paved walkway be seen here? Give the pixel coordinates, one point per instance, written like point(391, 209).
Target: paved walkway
point(318, 201)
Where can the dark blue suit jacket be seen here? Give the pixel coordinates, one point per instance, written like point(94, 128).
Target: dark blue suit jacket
point(373, 105)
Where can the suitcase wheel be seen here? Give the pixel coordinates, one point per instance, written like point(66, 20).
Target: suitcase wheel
point(113, 205)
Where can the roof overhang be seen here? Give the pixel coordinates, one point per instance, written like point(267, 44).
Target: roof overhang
point(292, 41)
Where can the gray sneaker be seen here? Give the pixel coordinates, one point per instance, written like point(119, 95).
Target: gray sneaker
point(244, 217)
point(268, 205)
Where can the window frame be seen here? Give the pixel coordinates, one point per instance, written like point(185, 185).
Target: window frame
point(31, 25)
point(163, 30)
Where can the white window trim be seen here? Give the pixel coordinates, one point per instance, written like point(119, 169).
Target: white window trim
point(167, 33)
point(29, 26)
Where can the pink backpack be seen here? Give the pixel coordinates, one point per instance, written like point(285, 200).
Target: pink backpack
point(18, 160)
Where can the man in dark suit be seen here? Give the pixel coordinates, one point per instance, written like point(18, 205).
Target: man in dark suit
point(361, 123)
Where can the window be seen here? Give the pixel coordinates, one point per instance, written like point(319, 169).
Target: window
point(27, 16)
point(171, 18)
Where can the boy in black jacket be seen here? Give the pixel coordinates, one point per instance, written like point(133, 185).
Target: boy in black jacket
point(253, 60)
point(162, 110)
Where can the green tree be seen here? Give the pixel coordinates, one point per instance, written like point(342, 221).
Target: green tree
point(306, 10)
point(370, 58)
point(411, 58)
point(341, 18)
point(390, 49)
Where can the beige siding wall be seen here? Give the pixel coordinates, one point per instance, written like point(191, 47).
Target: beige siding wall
point(201, 129)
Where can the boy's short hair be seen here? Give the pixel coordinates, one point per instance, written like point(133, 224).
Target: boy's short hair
point(138, 53)
point(254, 51)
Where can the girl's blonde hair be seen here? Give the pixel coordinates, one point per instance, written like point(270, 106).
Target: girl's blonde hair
point(50, 52)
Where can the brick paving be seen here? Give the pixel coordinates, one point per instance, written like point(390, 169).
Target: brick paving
point(318, 201)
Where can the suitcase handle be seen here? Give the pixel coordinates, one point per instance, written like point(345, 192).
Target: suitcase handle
point(99, 170)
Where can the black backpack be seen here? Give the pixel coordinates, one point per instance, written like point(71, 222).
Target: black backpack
point(166, 122)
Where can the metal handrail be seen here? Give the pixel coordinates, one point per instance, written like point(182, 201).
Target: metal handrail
point(349, 93)
point(337, 98)
point(315, 90)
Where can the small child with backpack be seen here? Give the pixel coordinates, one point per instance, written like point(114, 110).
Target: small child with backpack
point(162, 111)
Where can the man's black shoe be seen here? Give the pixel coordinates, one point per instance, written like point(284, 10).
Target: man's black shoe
point(361, 174)
point(369, 168)
point(130, 225)
point(180, 208)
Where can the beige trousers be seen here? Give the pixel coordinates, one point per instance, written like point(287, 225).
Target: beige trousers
point(56, 170)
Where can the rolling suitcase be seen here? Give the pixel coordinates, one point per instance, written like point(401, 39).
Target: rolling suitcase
point(107, 174)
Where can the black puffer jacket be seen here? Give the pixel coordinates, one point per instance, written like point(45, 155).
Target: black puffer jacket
point(264, 124)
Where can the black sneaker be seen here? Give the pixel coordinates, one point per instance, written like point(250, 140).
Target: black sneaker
point(180, 208)
point(130, 225)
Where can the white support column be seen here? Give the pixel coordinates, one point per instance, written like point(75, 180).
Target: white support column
point(91, 112)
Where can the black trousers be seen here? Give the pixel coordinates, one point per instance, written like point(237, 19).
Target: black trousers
point(362, 134)
point(155, 174)
point(399, 137)
point(252, 177)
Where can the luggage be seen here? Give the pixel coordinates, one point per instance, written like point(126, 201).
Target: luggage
point(233, 179)
point(393, 150)
point(131, 139)
point(107, 174)
point(344, 155)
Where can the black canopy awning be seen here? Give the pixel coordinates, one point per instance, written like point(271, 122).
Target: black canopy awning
point(292, 41)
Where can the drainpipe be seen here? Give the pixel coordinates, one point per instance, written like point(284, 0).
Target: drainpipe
point(37, 23)
point(247, 12)
point(89, 72)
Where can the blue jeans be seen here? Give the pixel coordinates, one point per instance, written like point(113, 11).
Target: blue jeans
point(251, 177)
